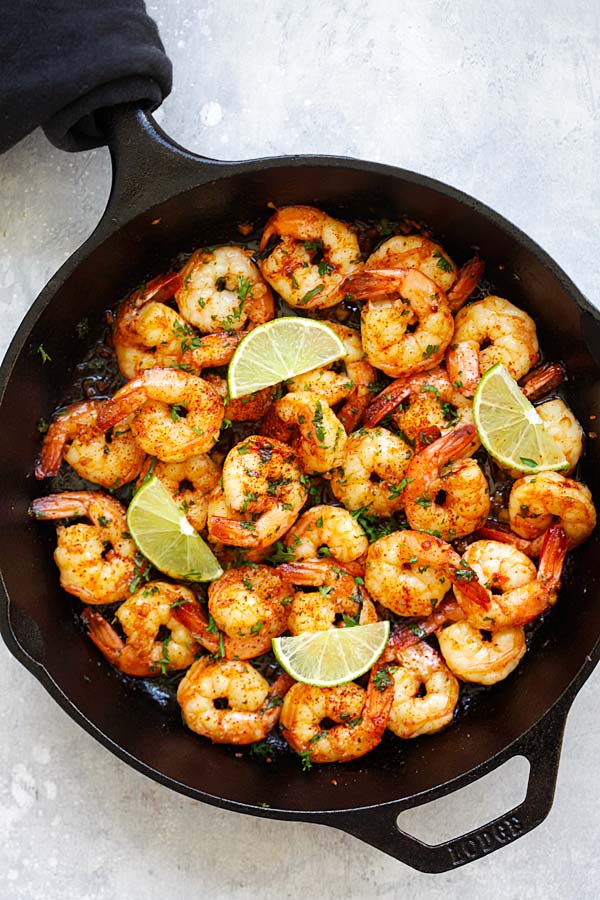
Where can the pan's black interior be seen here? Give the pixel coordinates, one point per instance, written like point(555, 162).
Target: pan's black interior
point(40, 618)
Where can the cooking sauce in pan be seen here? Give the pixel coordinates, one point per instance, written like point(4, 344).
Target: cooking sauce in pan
point(97, 376)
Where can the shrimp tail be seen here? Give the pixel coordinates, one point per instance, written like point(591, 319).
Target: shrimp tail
point(410, 635)
point(192, 617)
point(451, 444)
point(498, 532)
point(468, 279)
point(232, 532)
point(373, 284)
point(60, 506)
point(386, 401)
point(543, 379)
point(161, 288)
point(103, 635)
point(354, 407)
point(552, 558)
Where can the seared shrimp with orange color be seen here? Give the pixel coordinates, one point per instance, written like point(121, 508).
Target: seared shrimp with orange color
point(263, 493)
point(517, 593)
point(339, 601)
point(247, 608)
point(108, 458)
point(327, 531)
point(538, 501)
point(253, 706)
point(147, 332)
point(321, 437)
point(98, 562)
point(222, 290)
point(141, 617)
point(176, 414)
point(425, 692)
point(487, 332)
point(422, 402)
point(360, 718)
point(410, 572)
point(312, 256)
point(406, 321)
point(446, 494)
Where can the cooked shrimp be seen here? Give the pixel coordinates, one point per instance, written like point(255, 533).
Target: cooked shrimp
point(413, 713)
point(209, 351)
point(253, 706)
point(468, 278)
point(178, 415)
point(371, 472)
point(481, 658)
point(141, 617)
point(445, 494)
point(98, 563)
point(406, 323)
point(327, 530)
point(263, 487)
point(148, 333)
point(543, 379)
point(314, 254)
point(360, 716)
point(244, 409)
point(516, 592)
point(410, 572)
point(321, 437)
point(487, 332)
point(248, 607)
point(347, 380)
point(107, 458)
point(538, 501)
point(422, 402)
point(222, 289)
point(190, 484)
point(563, 427)
point(340, 600)
point(414, 251)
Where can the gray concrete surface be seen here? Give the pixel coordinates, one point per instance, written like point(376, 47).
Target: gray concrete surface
point(499, 99)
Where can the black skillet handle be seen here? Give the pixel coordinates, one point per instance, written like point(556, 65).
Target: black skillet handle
point(148, 166)
point(541, 746)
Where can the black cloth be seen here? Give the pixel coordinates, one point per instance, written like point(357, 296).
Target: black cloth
point(62, 60)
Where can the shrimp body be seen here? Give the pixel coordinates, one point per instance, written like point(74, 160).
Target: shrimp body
point(147, 333)
point(406, 322)
point(421, 402)
point(321, 437)
point(410, 572)
point(437, 471)
point(222, 289)
point(177, 414)
point(314, 255)
point(264, 490)
point(473, 657)
point(190, 484)
point(517, 593)
point(563, 427)
point(109, 459)
point(330, 527)
point(487, 332)
point(360, 716)
point(339, 601)
point(97, 562)
point(413, 713)
point(414, 251)
point(243, 409)
point(538, 501)
point(253, 706)
point(141, 617)
point(371, 472)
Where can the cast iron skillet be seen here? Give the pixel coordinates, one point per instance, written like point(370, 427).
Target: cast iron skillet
point(165, 199)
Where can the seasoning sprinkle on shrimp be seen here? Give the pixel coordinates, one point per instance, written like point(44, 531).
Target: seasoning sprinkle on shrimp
point(413, 713)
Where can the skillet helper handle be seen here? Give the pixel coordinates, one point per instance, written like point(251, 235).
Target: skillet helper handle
point(148, 166)
point(541, 746)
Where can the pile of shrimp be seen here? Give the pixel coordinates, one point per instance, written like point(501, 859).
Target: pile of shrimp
point(354, 493)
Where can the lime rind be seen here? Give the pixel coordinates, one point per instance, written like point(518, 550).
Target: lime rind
point(510, 428)
point(332, 657)
point(281, 349)
point(164, 536)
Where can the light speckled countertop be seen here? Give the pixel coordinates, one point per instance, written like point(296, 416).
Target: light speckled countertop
point(501, 100)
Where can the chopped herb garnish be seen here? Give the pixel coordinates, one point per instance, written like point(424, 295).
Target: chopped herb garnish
point(310, 294)
point(442, 262)
point(528, 462)
point(45, 356)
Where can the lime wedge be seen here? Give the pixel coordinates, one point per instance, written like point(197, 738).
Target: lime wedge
point(510, 428)
point(335, 656)
point(281, 349)
point(165, 537)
